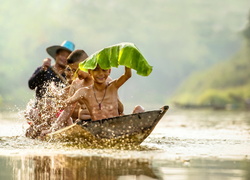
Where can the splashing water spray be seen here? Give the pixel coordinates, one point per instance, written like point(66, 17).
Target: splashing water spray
point(41, 113)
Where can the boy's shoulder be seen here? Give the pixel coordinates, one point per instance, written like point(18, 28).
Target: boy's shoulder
point(112, 84)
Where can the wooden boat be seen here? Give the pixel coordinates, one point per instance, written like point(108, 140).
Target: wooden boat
point(127, 130)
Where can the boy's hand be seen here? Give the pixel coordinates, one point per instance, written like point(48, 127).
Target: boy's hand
point(46, 63)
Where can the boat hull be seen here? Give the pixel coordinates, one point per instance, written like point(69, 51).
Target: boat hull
point(124, 130)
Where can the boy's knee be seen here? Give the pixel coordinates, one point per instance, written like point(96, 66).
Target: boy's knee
point(138, 109)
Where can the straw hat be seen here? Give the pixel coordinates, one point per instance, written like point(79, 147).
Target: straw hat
point(66, 45)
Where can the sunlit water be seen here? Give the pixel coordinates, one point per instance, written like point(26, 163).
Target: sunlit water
point(184, 145)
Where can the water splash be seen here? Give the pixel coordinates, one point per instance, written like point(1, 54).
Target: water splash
point(42, 113)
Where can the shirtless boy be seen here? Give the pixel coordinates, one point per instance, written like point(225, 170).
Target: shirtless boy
point(82, 79)
point(101, 97)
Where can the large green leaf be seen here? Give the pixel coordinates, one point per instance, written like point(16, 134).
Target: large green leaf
point(125, 54)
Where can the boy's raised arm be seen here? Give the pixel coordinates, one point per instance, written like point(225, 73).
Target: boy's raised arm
point(121, 80)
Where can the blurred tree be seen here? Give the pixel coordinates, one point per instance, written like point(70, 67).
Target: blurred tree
point(246, 31)
point(177, 37)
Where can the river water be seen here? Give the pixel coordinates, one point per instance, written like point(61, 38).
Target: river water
point(185, 145)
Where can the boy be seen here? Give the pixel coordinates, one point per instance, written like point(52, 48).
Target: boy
point(100, 98)
point(45, 74)
point(41, 81)
point(82, 79)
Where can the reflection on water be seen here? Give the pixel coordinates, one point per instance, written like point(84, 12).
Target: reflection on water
point(109, 168)
point(70, 167)
point(184, 145)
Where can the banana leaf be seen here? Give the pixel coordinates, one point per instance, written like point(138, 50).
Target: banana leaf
point(125, 54)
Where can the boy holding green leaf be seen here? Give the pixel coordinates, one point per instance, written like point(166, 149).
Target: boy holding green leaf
point(83, 79)
point(101, 97)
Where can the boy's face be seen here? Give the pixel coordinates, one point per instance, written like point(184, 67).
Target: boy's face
point(74, 66)
point(99, 75)
point(61, 58)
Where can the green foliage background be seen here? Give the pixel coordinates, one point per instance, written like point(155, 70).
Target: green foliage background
point(177, 37)
point(225, 83)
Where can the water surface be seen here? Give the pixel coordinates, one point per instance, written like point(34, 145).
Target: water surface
point(184, 145)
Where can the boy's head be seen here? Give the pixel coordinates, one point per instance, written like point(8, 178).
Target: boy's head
point(99, 75)
point(75, 58)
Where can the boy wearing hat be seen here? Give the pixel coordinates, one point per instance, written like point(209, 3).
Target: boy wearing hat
point(46, 73)
point(41, 113)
